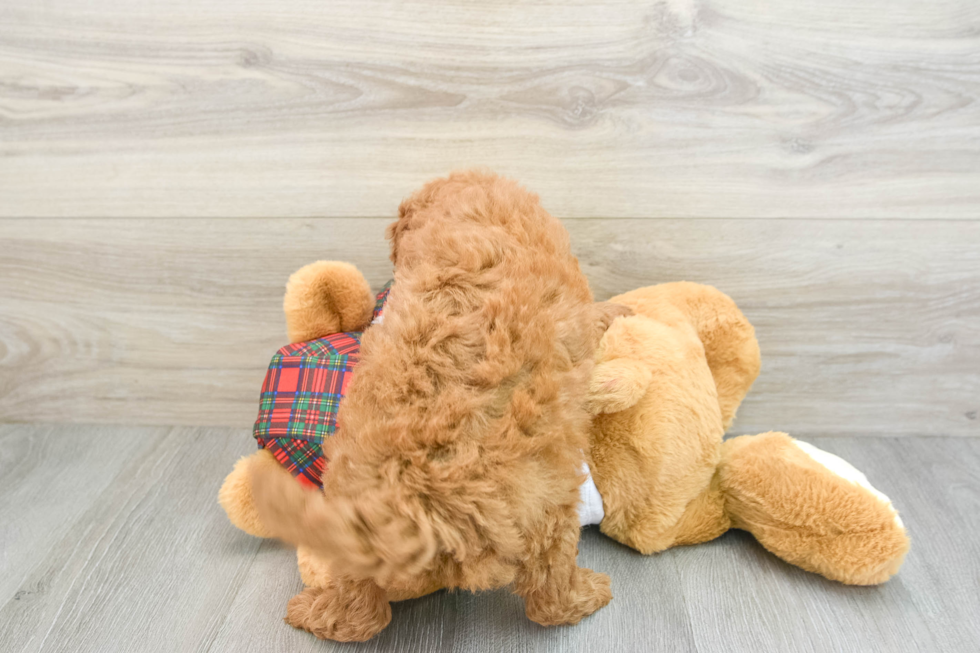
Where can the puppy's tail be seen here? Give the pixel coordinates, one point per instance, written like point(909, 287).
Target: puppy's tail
point(379, 535)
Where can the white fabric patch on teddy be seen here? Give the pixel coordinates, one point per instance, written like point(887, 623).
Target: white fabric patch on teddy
point(378, 320)
point(845, 470)
point(590, 507)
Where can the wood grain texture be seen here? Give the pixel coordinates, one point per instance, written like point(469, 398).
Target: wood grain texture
point(865, 326)
point(149, 565)
point(147, 561)
point(45, 495)
point(669, 108)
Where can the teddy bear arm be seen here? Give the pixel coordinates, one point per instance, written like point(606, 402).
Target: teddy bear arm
point(235, 495)
point(621, 376)
point(617, 385)
point(729, 341)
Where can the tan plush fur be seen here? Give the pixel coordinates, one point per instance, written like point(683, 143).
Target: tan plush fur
point(668, 382)
point(326, 297)
point(851, 537)
point(235, 495)
point(657, 453)
point(457, 459)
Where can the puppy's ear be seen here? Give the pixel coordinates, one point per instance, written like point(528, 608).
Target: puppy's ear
point(409, 216)
point(617, 385)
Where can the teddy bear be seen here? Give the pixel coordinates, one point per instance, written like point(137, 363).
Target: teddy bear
point(328, 305)
point(666, 386)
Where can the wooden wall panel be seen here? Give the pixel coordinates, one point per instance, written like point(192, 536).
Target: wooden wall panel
point(818, 161)
point(672, 108)
point(866, 326)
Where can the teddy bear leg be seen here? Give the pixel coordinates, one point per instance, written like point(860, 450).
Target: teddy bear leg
point(703, 520)
point(345, 610)
point(811, 509)
point(235, 495)
point(326, 297)
point(555, 589)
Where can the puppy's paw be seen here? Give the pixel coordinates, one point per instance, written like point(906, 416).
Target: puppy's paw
point(352, 613)
point(592, 590)
point(587, 592)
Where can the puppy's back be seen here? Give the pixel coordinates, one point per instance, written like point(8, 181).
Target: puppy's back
point(464, 423)
point(488, 299)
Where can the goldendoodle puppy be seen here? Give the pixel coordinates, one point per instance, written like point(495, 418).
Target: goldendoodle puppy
point(461, 439)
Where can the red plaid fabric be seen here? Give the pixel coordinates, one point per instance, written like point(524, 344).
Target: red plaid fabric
point(379, 302)
point(301, 396)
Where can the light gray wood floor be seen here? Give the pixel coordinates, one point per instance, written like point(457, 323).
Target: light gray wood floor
point(111, 540)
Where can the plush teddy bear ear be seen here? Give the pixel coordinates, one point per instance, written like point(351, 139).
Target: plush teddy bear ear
point(617, 385)
point(326, 297)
